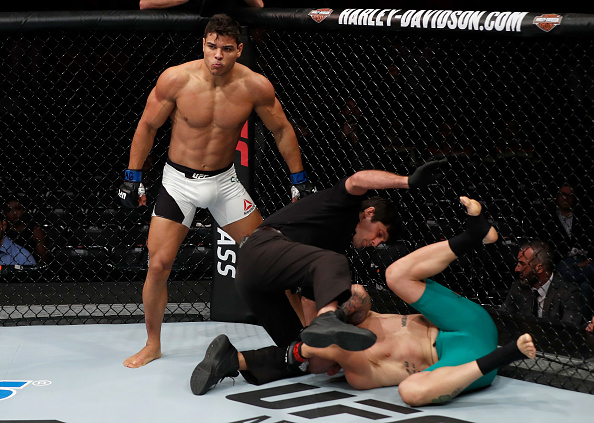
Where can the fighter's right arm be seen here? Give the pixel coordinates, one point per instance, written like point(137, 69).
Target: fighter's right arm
point(364, 180)
point(159, 105)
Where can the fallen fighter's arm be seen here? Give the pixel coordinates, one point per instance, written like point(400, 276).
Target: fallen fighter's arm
point(355, 309)
point(387, 363)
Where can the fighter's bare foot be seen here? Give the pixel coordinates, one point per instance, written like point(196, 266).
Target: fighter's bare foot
point(473, 208)
point(143, 357)
point(526, 346)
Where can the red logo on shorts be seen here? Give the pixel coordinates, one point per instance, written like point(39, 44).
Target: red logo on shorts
point(547, 22)
point(247, 206)
point(319, 15)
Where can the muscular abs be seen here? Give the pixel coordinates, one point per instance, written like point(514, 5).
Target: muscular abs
point(206, 123)
point(405, 346)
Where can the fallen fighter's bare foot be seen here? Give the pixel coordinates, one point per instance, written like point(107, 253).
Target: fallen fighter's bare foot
point(526, 346)
point(473, 208)
point(144, 356)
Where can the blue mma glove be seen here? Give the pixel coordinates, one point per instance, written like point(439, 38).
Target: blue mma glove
point(131, 189)
point(302, 187)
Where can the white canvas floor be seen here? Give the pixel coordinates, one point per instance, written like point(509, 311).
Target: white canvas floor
point(74, 374)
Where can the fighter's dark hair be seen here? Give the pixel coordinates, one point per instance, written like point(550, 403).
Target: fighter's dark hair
point(385, 212)
point(223, 25)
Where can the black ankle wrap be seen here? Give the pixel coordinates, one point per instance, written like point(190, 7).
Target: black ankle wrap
point(500, 357)
point(477, 227)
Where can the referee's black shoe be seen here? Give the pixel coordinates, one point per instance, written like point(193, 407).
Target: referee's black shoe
point(327, 329)
point(219, 362)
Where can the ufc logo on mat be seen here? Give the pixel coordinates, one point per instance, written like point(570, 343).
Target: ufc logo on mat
point(8, 387)
point(364, 410)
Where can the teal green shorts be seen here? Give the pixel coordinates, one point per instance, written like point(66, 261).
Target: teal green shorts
point(466, 331)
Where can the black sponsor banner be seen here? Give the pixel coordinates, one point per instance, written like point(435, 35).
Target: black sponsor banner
point(522, 23)
point(517, 23)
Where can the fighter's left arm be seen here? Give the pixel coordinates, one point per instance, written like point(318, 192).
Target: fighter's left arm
point(273, 116)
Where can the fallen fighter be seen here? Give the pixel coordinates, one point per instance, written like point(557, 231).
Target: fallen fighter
point(450, 348)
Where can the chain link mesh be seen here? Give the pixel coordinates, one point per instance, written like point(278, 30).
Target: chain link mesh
point(70, 102)
point(514, 117)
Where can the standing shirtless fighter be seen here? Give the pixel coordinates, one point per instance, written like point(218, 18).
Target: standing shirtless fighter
point(449, 348)
point(208, 101)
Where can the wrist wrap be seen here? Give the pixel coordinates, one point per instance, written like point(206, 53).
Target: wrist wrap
point(293, 359)
point(298, 177)
point(132, 175)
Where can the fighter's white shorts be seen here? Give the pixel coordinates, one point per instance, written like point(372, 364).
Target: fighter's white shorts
point(184, 189)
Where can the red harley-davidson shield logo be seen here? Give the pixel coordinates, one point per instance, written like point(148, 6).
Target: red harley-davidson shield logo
point(547, 22)
point(319, 15)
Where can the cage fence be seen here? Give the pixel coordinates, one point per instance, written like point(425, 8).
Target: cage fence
point(513, 116)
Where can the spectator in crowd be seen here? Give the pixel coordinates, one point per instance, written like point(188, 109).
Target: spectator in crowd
point(540, 292)
point(11, 253)
point(571, 235)
point(23, 230)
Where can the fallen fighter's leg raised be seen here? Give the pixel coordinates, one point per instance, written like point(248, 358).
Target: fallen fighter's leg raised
point(405, 277)
point(445, 383)
point(466, 331)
